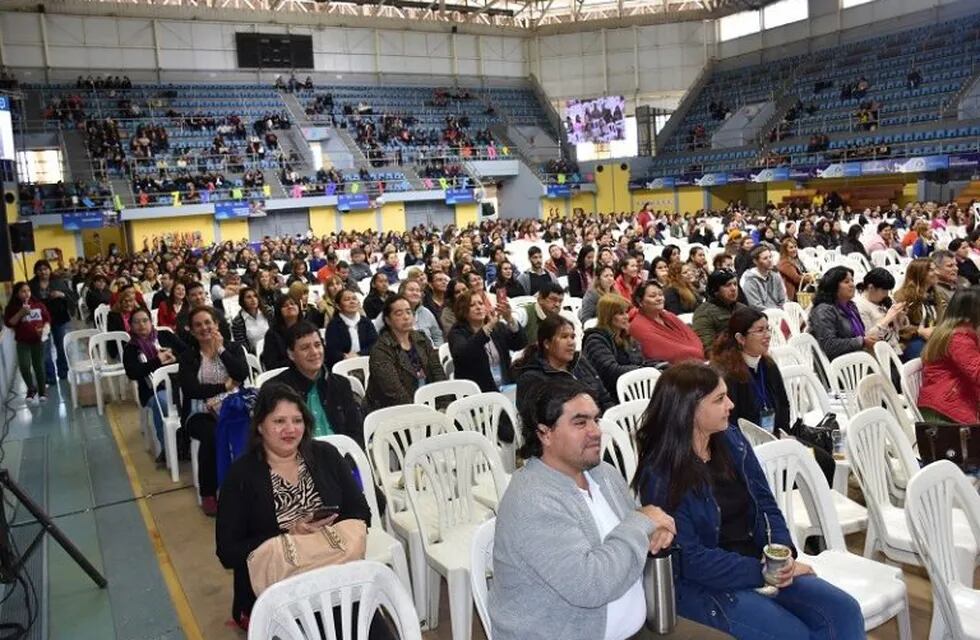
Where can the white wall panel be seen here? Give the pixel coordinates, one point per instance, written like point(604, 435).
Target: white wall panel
point(19, 55)
point(68, 30)
point(20, 28)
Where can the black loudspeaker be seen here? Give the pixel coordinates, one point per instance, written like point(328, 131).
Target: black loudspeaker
point(22, 237)
point(6, 259)
point(488, 209)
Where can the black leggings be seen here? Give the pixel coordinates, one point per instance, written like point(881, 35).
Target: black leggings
point(201, 427)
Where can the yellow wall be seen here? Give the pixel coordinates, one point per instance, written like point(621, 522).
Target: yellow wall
point(723, 195)
point(393, 216)
point(584, 200)
point(659, 199)
point(690, 199)
point(776, 191)
point(358, 220)
point(233, 230)
point(467, 213)
point(612, 188)
point(203, 224)
point(323, 220)
point(910, 192)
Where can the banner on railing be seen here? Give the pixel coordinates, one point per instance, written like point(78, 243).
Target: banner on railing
point(231, 210)
point(771, 175)
point(459, 196)
point(712, 180)
point(348, 201)
point(89, 220)
point(559, 190)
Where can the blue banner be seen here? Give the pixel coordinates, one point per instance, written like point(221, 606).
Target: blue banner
point(231, 210)
point(86, 220)
point(346, 202)
point(840, 170)
point(667, 182)
point(771, 175)
point(559, 190)
point(712, 180)
point(923, 163)
point(459, 196)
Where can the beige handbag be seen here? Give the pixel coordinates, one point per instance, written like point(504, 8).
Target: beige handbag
point(287, 555)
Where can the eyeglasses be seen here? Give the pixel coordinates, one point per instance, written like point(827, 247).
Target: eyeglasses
point(761, 331)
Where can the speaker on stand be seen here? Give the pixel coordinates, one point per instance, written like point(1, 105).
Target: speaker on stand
point(22, 240)
point(6, 255)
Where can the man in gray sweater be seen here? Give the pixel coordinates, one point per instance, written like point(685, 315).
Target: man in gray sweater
point(763, 286)
point(570, 542)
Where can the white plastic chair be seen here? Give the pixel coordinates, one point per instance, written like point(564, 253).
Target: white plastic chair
point(888, 360)
point(446, 360)
point(880, 589)
point(875, 391)
point(637, 384)
point(481, 571)
point(777, 318)
point(590, 324)
point(572, 305)
point(104, 368)
point(911, 385)
point(429, 393)
point(171, 417)
point(873, 433)
point(482, 412)
point(686, 318)
point(254, 366)
point(79, 361)
point(265, 376)
point(929, 510)
point(349, 366)
point(388, 433)
point(755, 434)
point(288, 610)
point(797, 317)
point(786, 356)
point(381, 546)
point(846, 371)
point(620, 448)
point(101, 317)
point(813, 355)
point(628, 416)
point(439, 472)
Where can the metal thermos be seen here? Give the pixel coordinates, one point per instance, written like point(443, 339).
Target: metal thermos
point(658, 586)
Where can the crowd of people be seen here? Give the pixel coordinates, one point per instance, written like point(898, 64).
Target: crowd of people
point(459, 286)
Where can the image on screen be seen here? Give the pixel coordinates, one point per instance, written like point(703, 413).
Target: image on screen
point(597, 120)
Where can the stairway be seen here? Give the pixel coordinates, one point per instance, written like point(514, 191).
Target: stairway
point(969, 193)
point(79, 164)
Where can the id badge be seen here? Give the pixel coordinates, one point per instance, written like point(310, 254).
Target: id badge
point(767, 420)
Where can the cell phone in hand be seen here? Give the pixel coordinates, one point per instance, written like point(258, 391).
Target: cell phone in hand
point(501, 295)
point(324, 512)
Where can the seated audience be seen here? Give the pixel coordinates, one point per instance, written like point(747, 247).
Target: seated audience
point(374, 302)
point(550, 357)
point(755, 385)
point(507, 281)
point(852, 243)
point(834, 318)
point(328, 395)
point(481, 342)
point(98, 294)
point(332, 285)
point(703, 473)
point(951, 364)
point(286, 315)
point(425, 322)
point(659, 271)
point(762, 285)
point(196, 297)
point(581, 276)
point(681, 294)
point(285, 483)
point(923, 306)
point(172, 307)
point(300, 293)
point(349, 333)
point(147, 351)
point(402, 359)
point(118, 319)
point(558, 263)
point(881, 317)
point(608, 350)
point(448, 319)
point(791, 268)
point(627, 277)
point(548, 303)
point(965, 267)
point(536, 276)
point(570, 543)
point(602, 285)
point(435, 295)
point(252, 322)
point(662, 336)
point(947, 274)
point(207, 374)
point(711, 318)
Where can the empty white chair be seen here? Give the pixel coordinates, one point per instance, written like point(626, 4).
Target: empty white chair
point(101, 317)
point(846, 371)
point(620, 448)
point(572, 305)
point(351, 366)
point(777, 320)
point(880, 589)
point(875, 391)
point(171, 416)
point(628, 416)
point(446, 360)
point(104, 368)
point(888, 360)
point(796, 315)
point(482, 412)
point(637, 384)
point(381, 545)
point(254, 366)
point(786, 356)
point(911, 385)
point(481, 571)
point(590, 323)
point(872, 433)
point(429, 393)
point(288, 610)
point(439, 473)
point(813, 355)
point(932, 495)
point(265, 376)
point(79, 361)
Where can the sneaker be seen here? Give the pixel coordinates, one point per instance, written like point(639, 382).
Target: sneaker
point(43, 398)
point(209, 505)
point(161, 460)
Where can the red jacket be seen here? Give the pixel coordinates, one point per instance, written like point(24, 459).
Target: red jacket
point(672, 341)
point(951, 385)
point(626, 289)
point(29, 329)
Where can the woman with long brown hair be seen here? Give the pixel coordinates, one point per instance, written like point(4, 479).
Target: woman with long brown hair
point(923, 308)
point(681, 294)
point(951, 363)
point(608, 349)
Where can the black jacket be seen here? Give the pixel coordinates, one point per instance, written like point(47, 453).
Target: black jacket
point(94, 298)
point(338, 340)
point(833, 330)
point(336, 398)
point(742, 395)
point(59, 308)
point(274, 348)
point(140, 371)
point(470, 359)
point(968, 269)
point(373, 305)
point(392, 378)
point(576, 286)
point(531, 373)
point(247, 513)
point(603, 359)
point(183, 326)
point(675, 304)
point(189, 365)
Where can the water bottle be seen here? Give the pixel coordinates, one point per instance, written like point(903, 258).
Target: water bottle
point(658, 586)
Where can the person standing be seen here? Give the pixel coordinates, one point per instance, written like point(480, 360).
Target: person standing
point(57, 296)
point(28, 317)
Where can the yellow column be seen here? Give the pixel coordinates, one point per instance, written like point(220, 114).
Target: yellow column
point(467, 213)
point(323, 220)
point(393, 216)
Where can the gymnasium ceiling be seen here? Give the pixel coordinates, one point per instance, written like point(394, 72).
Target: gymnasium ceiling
point(546, 16)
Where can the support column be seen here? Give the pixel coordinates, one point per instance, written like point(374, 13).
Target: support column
point(45, 54)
